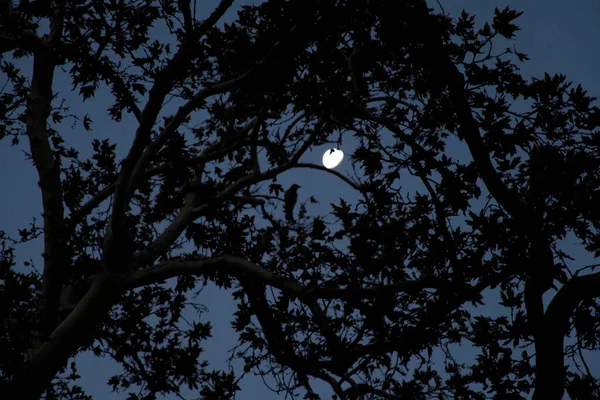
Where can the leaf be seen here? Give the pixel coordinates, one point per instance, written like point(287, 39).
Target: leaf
point(485, 31)
point(87, 91)
point(502, 22)
point(87, 121)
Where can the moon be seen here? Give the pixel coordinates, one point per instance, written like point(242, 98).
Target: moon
point(332, 158)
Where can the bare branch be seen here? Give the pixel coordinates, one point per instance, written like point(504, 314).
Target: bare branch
point(292, 125)
point(89, 206)
point(350, 182)
point(213, 18)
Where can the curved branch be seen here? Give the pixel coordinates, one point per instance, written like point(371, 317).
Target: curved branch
point(291, 126)
point(253, 278)
point(277, 344)
point(349, 181)
point(88, 207)
point(213, 18)
point(550, 357)
point(238, 266)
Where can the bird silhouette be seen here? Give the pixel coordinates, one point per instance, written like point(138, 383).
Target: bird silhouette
point(290, 197)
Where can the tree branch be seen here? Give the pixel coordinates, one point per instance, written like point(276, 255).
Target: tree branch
point(550, 356)
point(237, 266)
point(350, 182)
point(164, 82)
point(38, 111)
point(540, 260)
point(135, 162)
point(78, 328)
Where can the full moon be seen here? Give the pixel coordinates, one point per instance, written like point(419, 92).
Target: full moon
point(332, 158)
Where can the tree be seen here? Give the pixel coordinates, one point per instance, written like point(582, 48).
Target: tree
point(365, 296)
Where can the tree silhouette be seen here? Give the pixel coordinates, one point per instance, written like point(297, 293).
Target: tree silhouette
point(363, 297)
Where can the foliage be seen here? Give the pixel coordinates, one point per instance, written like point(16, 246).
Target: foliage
point(364, 297)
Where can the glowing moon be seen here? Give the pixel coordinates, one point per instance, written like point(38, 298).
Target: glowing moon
point(332, 158)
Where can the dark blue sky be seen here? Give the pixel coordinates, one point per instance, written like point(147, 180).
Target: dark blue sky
point(558, 36)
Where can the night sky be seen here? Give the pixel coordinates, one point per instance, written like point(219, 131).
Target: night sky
point(558, 36)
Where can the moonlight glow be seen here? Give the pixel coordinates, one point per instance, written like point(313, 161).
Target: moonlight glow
point(332, 158)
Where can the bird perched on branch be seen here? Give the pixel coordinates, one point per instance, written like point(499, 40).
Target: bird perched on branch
point(290, 197)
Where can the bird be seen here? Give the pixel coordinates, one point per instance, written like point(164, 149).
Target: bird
point(289, 201)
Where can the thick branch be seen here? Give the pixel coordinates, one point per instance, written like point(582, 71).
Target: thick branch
point(238, 266)
point(78, 328)
point(38, 110)
point(24, 39)
point(550, 357)
point(540, 260)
